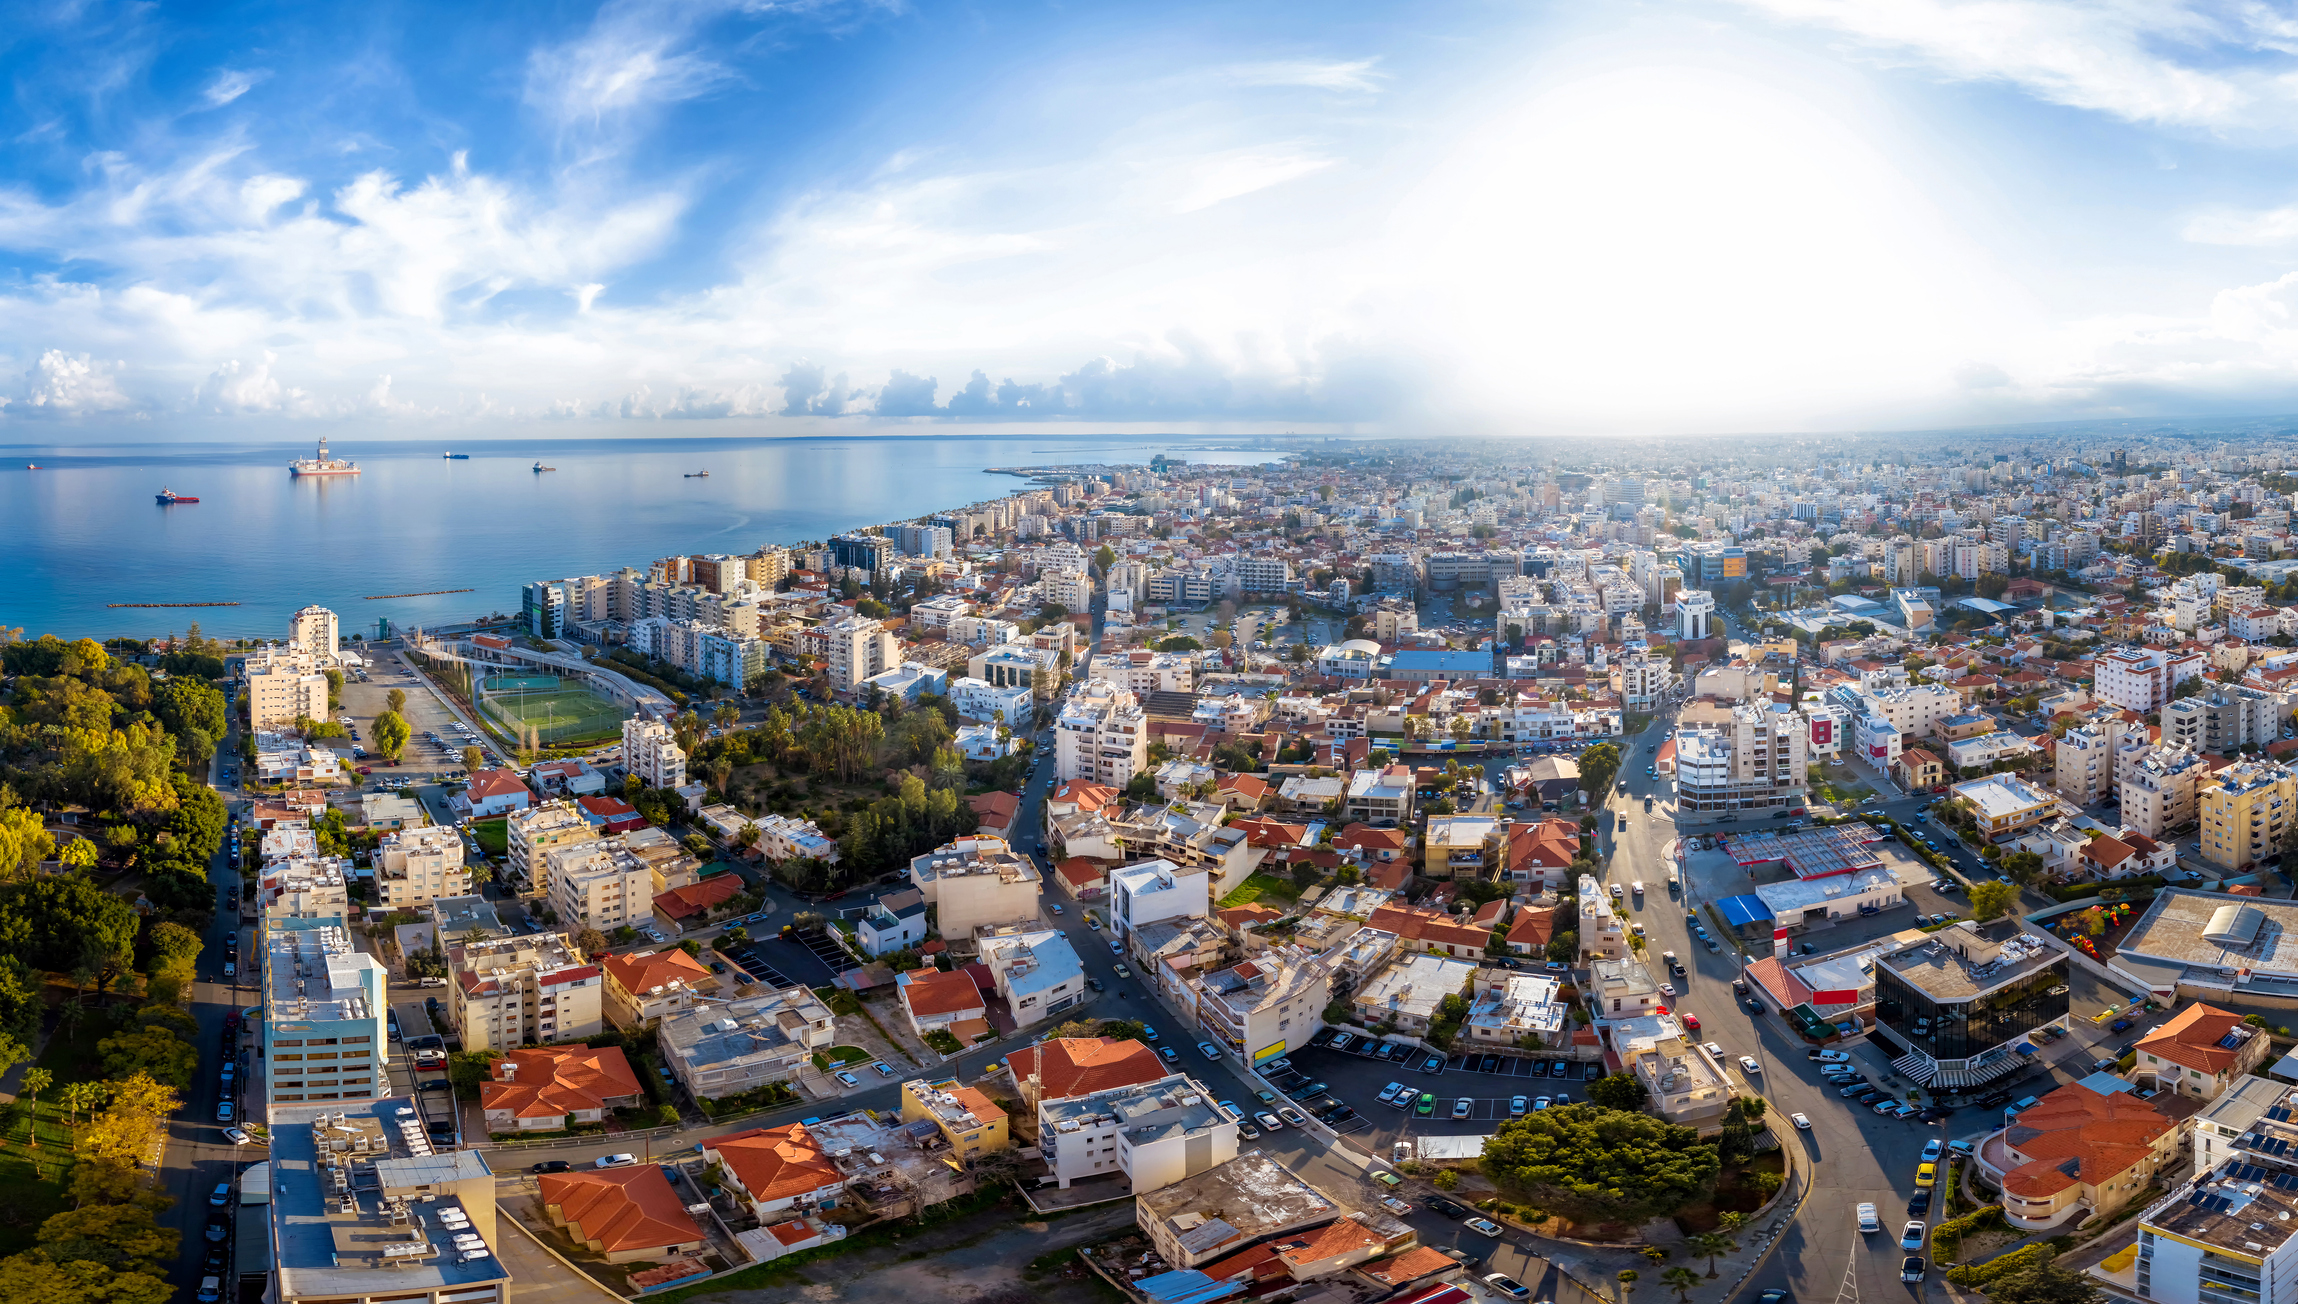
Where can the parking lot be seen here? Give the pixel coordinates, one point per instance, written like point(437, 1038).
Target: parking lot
point(1322, 1081)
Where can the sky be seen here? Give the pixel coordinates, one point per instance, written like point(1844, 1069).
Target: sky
point(1645, 217)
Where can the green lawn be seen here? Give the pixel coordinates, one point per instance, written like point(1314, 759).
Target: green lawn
point(839, 1056)
point(494, 835)
point(1261, 885)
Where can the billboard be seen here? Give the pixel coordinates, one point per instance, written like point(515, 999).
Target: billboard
point(1269, 1052)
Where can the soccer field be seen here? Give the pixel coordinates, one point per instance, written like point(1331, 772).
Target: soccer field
point(561, 712)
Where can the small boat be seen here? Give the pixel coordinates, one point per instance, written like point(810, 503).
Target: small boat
point(169, 496)
point(539, 468)
point(31, 466)
point(698, 475)
point(456, 457)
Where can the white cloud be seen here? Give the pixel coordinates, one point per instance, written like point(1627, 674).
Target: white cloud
point(2274, 226)
point(241, 388)
point(229, 85)
point(1324, 75)
point(1229, 176)
point(2168, 62)
point(65, 384)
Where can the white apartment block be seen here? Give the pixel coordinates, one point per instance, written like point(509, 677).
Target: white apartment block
point(413, 866)
point(602, 885)
point(1267, 1005)
point(1155, 1134)
point(978, 699)
point(284, 686)
point(2157, 794)
point(505, 991)
point(2143, 679)
point(1102, 736)
point(316, 887)
point(1756, 763)
point(536, 830)
point(1156, 890)
point(1916, 710)
point(975, 883)
point(312, 631)
point(652, 753)
point(1072, 589)
point(1695, 614)
point(859, 648)
point(1263, 574)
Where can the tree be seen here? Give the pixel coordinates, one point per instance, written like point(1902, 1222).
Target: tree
point(34, 1278)
point(1990, 899)
point(390, 734)
point(2044, 1283)
point(172, 944)
point(396, 701)
point(1682, 1280)
point(472, 757)
point(35, 1082)
point(161, 1054)
point(183, 704)
point(23, 843)
point(468, 1068)
point(1600, 1162)
point(1599, 765)
point(81, 1098)
point(125, 1129)
point(78, 856)
point(1711, 1245)
point(2024, 866)
point(122, 1237)
point(1618, 1091)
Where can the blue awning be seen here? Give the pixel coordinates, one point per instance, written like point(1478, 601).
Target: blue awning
point(1747, 908)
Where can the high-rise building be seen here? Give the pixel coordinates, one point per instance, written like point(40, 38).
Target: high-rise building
point(503, 992)
point(870, 552)
point(1695, 614)
point(536, 830)
point(859, 648)
point(602, 885)
point(651, 754)
point(1102, 736)
point(313, 630)
point(2243, 810)
point(284, 686)
point(1752, 763)
point(323, 1030)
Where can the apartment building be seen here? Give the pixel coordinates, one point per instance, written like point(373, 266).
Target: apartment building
point(2142, 679)
point(313, 632)
point(2157, 794)
point(1034, 969)
point(2084, 763)
point(1683, 1084)
point(2242, 812)
point(979, 699)
point(970, 1123)
point(1073, 590)
point(602, 885)
point(533, 832)
point(284, 686)
point(323, 1014)
point(725, 1050)
point(859, 647)
point(1102, 735)
point(642, 989)
point(2201, 1051)
point(1695, 614)
point(1749, 766)
point(506, 991)
point(1152, 1134)
point(413, 866)
point(2003, 804)
point(976, 882)
point(650, 753)
point(1505, 1008)
point(1603, 934)
point(1266, 1005)
point(1381, 797)
point(1917, 710)
point(305, 887)
point(2223, 720)
point(1409, 992)
point(1156, 890)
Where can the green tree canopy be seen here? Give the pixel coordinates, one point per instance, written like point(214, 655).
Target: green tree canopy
point(1990, 899)
point(390, 734)
point(156, 1052)
point(34, 1278)
point(1594, 1162)
point(61, 924)
point(184, 704)
point(1599, 765)
point(1618, 1091)
point(2044, 1283)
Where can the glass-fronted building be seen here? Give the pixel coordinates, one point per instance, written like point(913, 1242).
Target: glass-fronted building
point(1961, 1003)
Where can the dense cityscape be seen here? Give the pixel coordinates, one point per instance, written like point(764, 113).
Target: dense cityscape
point(1401, 871)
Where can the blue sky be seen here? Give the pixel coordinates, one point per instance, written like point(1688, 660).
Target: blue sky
point(1418, 219)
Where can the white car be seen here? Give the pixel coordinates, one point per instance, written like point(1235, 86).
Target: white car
point(1747, 1063)
point(1932, 1148)
point(1801, 1122)
point(1868, 1222)
point(236, 1137)
point(1269, 1122)
point(615, 1161)
point(848, 1078)
point(1911, 1236)
point(1834, 1057)
point(1482, 1226)
point(1715, 1049)
point(1389, 1092)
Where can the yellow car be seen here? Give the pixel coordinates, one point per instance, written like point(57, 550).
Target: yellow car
point(1926, 1174)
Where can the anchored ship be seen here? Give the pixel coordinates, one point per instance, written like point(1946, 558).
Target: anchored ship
point(698, 475)
point(322, 464)
point(168, 496)
point(456, 457)
point(539, 467)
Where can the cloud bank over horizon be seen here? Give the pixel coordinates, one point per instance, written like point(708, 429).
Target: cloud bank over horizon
point(1670, 217)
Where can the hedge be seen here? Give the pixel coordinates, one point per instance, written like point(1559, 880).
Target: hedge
point(2077, 891)
point(1981, 1275)
point(1950, 1233)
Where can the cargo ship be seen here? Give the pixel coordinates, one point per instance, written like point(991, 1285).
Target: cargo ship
point(322, 464)
point(456, 457)
point(539, 468)
point(698, 475)
point(170, 496)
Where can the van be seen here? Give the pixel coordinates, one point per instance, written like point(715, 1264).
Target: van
point(2018, 1107)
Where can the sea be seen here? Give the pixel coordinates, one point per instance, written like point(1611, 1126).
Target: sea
point(83, 531)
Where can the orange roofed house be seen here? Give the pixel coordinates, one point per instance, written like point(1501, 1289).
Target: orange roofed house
point(1067, 1067)
point(2201, 1050)
point(2078, 1153)
point(625, 1214)
point(776, 1169)
point(544, 1088)
point(944, 1002)
point(640, 989)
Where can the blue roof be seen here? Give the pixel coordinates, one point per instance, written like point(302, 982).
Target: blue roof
point(1456, 665)
point(1186, 1286)
point(1747, 908)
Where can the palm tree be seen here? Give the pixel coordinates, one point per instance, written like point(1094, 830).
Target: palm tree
point(1681, 1281)
point(35, 1082)
point(1627, 1283)
point(81, 1097)
point(1712, 1244)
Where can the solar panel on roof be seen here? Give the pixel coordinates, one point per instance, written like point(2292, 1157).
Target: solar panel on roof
point(2279, 1113)
point(2285, 1181)
point(2274, 1146)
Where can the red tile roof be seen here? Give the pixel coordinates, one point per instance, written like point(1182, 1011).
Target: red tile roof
point(2191, 1038)
point(1415, 1263)
point(641, 973)
point(622, 1208)
point(931, 994)
point(554, 1081)
point(995, 810)
point(776, 1163)
point(2077, 1135)
point(1079, 1066)
point(496, 783)
point(696, 899)
point(1533, 929)
point(1549, 844)
point(1077, 871)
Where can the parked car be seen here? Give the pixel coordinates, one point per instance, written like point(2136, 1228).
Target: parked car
point(1868, 1220)
point(552, 1166)
point(1463, 1108)
point(1426, 1105)
point(1269, 1121)
point(615, 1161)
point(1506, 1285)
point(221, 1195)
point(1911, 1269)
point(223, 1112)
point(1516, 1106)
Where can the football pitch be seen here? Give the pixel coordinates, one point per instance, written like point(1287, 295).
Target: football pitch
point(561, 712)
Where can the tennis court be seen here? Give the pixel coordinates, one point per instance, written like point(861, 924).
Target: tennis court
point(560, 712)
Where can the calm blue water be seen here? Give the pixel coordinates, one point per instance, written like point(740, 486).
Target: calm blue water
point(84, 530)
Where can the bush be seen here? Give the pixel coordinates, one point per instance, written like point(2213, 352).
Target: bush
point(1446, 1180)
point(1980, 1275)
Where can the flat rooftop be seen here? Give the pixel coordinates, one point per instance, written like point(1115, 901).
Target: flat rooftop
point(2002, 796)
point(1252, 1196)
point(1151, 1111)
point(2178, 928)
point(2243, 1207)
point(1811, 853)
point(1962, 960)
point(1806, 893)
point(348, 1214)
